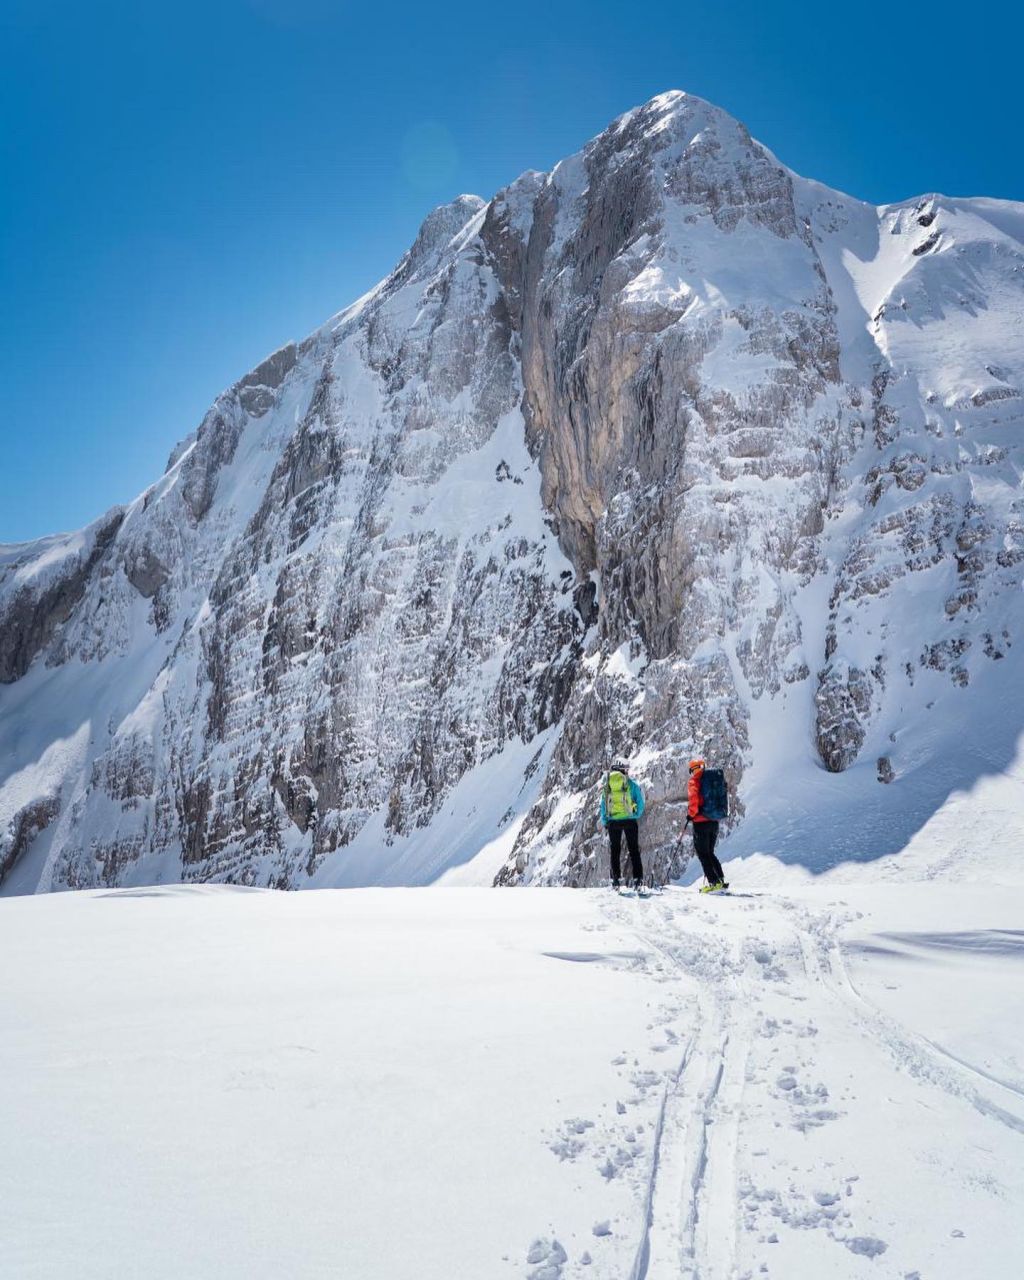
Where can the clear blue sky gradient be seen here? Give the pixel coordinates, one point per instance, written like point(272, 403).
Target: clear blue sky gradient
point(187, 186)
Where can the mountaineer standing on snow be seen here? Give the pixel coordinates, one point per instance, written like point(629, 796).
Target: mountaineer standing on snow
point(707, 805)
point(622, 807)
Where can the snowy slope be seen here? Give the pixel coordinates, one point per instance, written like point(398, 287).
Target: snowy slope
point(399, 1085)
point(668, 450)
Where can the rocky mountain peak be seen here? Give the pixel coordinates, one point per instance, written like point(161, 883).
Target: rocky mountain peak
point(668, 451)
point(439, 227)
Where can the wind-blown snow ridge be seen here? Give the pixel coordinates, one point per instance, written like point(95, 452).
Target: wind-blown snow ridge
point(668, 450)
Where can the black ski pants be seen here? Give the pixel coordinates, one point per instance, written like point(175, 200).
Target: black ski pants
point(704, 836)
point(629, 827)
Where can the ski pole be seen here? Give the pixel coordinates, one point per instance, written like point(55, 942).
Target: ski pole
point(679, 846)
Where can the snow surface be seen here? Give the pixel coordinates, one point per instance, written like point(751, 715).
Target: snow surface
point(402, 1084)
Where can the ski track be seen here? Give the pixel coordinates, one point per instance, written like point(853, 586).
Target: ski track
point(681, 1201)
point(708, 1210)
point(916, 1054)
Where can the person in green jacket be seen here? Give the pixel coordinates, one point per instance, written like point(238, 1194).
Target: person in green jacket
point(622, 807)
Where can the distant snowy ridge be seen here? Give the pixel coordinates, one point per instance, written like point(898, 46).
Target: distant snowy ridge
point(668, 450)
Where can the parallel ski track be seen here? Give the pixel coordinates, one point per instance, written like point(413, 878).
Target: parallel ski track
point(911, 1052)
point(690, 1216)
point(691, 1147)
point(641, 1264)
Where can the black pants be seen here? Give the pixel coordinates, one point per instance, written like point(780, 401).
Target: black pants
point(704, 836)
point(631, 827)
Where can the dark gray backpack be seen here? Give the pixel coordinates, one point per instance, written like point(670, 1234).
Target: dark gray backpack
point(714, 796)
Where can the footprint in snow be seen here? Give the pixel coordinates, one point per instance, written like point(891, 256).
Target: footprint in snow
point(869, 1246)
point(770, 968)
point(547, 1257)
point(807, 1101)
point(568, 1143)
point(644, 1081)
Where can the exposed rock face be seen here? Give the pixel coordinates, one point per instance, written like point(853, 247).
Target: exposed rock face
point(39, 599)
point(607, 467)
point(844, 705)
point(642, 448)
point(23, 827)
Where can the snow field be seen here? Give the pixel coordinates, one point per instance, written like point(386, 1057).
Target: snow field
point(545, 1085)
point(233, 1083)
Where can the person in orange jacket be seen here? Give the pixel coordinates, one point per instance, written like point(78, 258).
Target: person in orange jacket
point(705, 832)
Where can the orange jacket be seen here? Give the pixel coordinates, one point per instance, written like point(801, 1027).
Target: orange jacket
point(693, 794)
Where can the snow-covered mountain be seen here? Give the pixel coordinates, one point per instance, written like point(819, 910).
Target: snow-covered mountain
point(668, 450)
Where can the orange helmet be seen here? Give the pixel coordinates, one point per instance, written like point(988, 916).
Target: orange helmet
point(696, 764)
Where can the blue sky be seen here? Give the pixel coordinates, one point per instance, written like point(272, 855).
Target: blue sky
point(188, 186)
